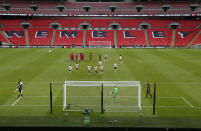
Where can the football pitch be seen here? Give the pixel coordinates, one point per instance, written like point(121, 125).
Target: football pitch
point(176, 72)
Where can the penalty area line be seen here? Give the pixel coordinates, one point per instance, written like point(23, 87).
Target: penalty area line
point(183, 98)
point(15, 102)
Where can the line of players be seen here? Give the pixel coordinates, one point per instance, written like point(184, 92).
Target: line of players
point(70, 68)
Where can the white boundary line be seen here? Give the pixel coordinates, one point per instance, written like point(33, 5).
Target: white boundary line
point(107, 96)
point(183, 98)
point(79, 96)
point(97, 105)
point(13, 104)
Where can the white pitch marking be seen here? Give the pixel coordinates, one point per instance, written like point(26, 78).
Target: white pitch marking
point(122, 111)
point(80, 96)
point(15, 102)
point(104, 106)
point(187, 102)
point(108, 96)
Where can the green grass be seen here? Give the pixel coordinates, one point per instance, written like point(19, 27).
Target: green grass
point(177, 73)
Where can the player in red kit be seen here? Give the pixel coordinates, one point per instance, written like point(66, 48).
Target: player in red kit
point(90, 56)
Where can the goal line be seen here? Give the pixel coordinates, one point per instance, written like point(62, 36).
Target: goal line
point(100, 89)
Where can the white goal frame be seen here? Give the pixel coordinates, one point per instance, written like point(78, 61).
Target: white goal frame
point(107, 44)
point(105, 83)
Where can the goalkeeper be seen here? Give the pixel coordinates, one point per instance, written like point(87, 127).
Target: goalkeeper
point(114, 93)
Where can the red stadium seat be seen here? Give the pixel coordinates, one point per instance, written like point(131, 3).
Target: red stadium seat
point(70, 22)
point(40, 23)
point(129, 22)
point(184, 36)
point(15, 35)
point(159, 23)
point(131, 38)
point(189, 23)
point(99, 22)
point(11, 22)
point(159, 37)
point(3, 39)
point(197, 41)
point(68, 37)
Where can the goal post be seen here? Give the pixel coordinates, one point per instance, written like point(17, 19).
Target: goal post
point(80, 94)
point(105, 44)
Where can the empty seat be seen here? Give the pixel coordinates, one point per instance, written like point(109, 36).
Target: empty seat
point(129, 22)
point(40, 23)
point(15, 35)
point(68, 37)
point(131, 38)
point(40, 36)
point(99, 22)
point(159, 37)
point(184, 36)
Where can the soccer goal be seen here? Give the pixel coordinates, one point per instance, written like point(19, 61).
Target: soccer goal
point(105, 44)
point(98, 96)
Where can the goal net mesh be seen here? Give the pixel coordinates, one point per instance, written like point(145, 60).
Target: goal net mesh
point(100, 43)
point(81, 94)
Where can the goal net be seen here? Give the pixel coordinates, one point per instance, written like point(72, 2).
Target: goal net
point(105, 44)
point(98, 96)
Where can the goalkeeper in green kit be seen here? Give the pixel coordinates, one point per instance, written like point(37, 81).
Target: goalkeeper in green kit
point(114, 93)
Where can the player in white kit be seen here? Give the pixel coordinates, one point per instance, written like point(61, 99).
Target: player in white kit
point(115, 67)
point(95, 69)
point(101, 69)
point(100, 63)
point(89, 69)
point(120, 59)
point(106, 58)
point(76, 66)
point(70, 68)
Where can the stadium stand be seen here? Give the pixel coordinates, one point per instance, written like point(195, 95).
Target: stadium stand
point(98, 12)
point(3, 39)
point(99, 8)
point(99, 22)
point(40, 36)
point(129, 23)
point(19, 4)
point(125, 12)
point(155, 23)
point(70, 22)
point(159, 37)
point(68, 37)
point(47, 11)
point(15, 35)
point(189, 23)
point(40, 23)
point(131, 38)
point(99, 37)
point(102, 5)
point(159, 30)
point(178, 11)
point(74, 12)
point(150, 5)
point(10, 22)
point(184, 36)
point(197, 41)
point(158, 34)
